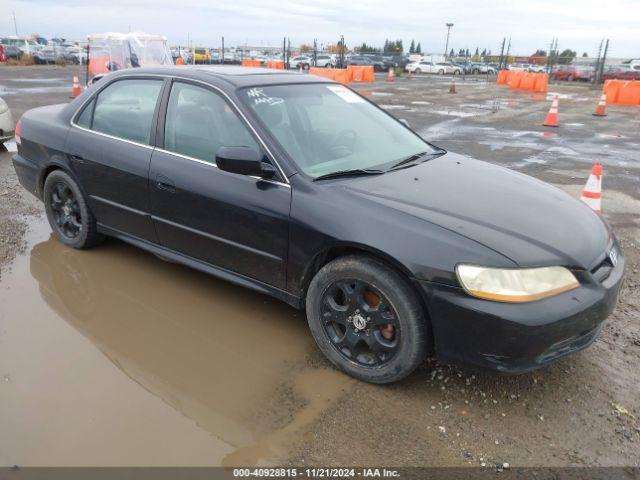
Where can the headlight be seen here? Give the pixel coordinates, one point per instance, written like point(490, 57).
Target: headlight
point(517, 284)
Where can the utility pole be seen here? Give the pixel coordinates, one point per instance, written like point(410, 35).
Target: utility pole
point(315, 52)
point(504, 40)
point(595, 77)
point(15, 24)
point(222, 60)
point(549, 55)
point(506, 60)
point(284, 51)
point(446, 48)
point(604, 58)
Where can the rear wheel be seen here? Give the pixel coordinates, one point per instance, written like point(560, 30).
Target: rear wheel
point(68, 213)
point(367, 319)
point(417, 70)
point(441, 72)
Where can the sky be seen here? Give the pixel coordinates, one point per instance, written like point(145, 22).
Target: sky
point(578, 24)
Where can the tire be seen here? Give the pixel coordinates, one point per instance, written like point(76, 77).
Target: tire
point(570, 78)
point(418, 71)
point(456, 72)
point(73, 215)
point(397, 303)
point(440, 72)
point(475, 71)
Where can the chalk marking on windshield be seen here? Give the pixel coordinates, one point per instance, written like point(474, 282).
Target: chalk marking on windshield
point(258, 96)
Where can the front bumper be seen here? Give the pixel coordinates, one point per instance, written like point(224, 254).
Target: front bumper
point(516, 338)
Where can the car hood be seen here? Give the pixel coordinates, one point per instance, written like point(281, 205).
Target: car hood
point(529, 221)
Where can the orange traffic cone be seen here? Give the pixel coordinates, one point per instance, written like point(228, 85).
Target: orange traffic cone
point(452, 88)
point(601, 106)
point(76, 87)
point(391, 76)
point(179, 61)
point(592, 193)
point(552, 116)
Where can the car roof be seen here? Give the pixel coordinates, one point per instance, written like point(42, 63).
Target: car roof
point(232, 75)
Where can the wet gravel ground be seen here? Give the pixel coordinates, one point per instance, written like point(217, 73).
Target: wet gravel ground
point(583, 410)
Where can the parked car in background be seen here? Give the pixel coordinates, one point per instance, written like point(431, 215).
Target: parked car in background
point(6, 122)
point(359, 60)
point(212, 168)
point(27, 47)
point(449, 68)
point(482, 68)
point(303, 61)
point(465, 67)
point(426, 66)
point(47, 54)
point(423, 66)
point(11, 52)
point(622, 72)
point(519, 67)
point(573, 72)
point(75, 54)
point(201, 56)
point(535, 68)
point(323, 61)
point(379, 63)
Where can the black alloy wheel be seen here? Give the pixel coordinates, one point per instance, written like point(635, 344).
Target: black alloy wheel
point(360, 322)
point(367, 319)
point(65, 210)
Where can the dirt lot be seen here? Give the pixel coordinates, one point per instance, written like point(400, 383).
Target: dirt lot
point(114, 357)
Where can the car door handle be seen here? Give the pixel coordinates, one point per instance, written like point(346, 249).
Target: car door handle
point(78, 158)
point(164, 183)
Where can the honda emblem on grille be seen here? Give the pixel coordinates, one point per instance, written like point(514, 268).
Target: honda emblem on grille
point(613, 256)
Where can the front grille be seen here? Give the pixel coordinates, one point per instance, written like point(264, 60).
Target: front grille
point(602, 271)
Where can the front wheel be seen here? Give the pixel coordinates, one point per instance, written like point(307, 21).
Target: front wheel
point(441, 72)
point(367, 319)
point(417, 70)
point(68, 213)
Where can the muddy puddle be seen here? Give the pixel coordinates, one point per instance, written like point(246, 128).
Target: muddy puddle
point(112, 356)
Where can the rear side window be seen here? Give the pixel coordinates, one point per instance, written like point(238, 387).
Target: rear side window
point(199, 122)
point(125, 109)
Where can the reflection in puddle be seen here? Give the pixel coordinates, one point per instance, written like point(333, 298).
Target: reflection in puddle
point(233, 361)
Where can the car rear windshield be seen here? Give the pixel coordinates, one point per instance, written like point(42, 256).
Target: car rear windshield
point(327, 128)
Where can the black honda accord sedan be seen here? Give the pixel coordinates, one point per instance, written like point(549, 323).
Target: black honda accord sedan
point(300, 188)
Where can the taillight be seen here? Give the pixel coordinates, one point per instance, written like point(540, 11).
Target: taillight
point(17, 132)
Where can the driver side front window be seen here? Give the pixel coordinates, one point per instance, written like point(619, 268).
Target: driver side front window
point(200, 121)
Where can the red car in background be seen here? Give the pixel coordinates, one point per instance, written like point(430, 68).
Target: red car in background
point(573, 72)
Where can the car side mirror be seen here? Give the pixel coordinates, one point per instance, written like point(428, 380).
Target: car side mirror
point(243, 161)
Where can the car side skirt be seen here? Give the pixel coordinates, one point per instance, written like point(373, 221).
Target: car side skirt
point(244, 281)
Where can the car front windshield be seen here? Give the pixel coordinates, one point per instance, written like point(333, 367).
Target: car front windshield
point(327, 128)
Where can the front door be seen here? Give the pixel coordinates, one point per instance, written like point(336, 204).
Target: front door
point(236, 222)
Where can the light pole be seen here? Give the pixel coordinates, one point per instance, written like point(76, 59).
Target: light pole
point(446, 48)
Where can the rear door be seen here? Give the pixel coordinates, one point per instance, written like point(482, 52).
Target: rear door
point(235, 222)
point(110, 148)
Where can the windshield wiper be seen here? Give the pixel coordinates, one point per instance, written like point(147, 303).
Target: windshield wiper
point(414, 158)
point(345, 173)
